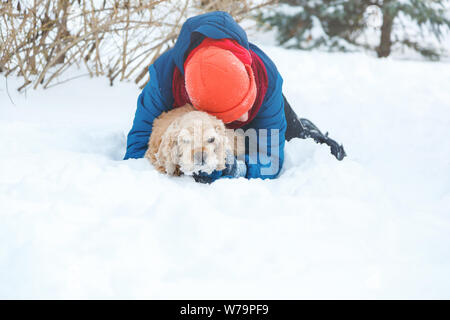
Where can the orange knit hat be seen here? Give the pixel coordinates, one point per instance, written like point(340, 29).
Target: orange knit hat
point(218, 83)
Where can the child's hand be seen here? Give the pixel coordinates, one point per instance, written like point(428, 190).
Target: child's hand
point(234, 168)
point(203, 177)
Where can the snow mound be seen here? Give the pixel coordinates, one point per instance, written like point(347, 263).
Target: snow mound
point(78, 222)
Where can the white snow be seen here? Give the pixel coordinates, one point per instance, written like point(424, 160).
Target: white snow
point(78, 222)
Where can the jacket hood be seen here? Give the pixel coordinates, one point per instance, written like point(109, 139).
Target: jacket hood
point(215, 25)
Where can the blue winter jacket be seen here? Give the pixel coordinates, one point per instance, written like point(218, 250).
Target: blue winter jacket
point(157, 96)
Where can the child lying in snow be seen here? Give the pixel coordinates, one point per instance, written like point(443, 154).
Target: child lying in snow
point(213, 67)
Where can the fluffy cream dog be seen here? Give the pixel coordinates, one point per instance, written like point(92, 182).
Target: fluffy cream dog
point(184, 140)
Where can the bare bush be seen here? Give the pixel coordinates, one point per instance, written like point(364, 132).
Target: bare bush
point(40, 40)
point(238, 9)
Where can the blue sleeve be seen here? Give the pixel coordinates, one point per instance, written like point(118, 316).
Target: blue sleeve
point(150, 105)
point(270, 127)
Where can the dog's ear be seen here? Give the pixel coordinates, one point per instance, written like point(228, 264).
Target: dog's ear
point(224, 145)
point(231, 140)
point(222, 149)
point(173, 146)
point(168, 149)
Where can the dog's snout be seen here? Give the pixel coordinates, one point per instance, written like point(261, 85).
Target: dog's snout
point(200, 157)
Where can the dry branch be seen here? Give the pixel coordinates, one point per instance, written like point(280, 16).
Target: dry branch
point(40, 40)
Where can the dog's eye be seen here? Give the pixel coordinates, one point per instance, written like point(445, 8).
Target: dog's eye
point(186, 140)
point(211, 140)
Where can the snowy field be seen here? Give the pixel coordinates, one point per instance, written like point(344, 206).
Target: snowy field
point(78, 222)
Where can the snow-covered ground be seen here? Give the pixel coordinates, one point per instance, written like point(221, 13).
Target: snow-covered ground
point(78, 222)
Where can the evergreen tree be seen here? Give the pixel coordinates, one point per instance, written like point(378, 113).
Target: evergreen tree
point(340, 24)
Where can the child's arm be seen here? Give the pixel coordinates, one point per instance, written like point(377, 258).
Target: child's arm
point(150, 105)
point(271, 118)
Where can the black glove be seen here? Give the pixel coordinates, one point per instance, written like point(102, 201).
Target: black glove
point(234, 168)
point(203, 177)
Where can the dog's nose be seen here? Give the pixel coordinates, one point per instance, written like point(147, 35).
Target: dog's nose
point(200, 157)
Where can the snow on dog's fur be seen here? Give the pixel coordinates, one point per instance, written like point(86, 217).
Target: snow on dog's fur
point(184, 140)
